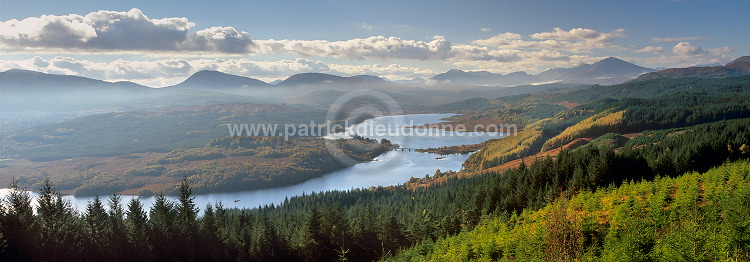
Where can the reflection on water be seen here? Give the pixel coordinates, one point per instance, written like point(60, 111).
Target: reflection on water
point(391, 168)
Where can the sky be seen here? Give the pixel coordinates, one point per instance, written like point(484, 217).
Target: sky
point(160, 43)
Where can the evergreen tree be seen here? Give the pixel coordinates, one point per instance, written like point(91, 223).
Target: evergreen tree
point(118, 238)
point(187, 227)
point(163, 229)
point(313, 238)
point(98, 231)
point(17, 224)
point(137, 228)
point(59, 230)
point(336, 229)
point(367, 237)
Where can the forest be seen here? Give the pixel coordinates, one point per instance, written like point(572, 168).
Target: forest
point(663, 177)
point(365, 225)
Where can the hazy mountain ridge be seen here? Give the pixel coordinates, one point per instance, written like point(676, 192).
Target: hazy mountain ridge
point(217, 81)
point(210, 80)
point(607, 71)
point(739, 66)
point(25, 81)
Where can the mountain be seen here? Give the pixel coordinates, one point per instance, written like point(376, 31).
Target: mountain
point(739, 66)
point(370, 78)
point(607, 71)
point(217, 81)
point(25, 81)
point(610, 70)
point(22, 90)
point(476, 78)
point(307, 79)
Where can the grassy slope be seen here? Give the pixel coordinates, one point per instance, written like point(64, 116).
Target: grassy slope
point(692, 217)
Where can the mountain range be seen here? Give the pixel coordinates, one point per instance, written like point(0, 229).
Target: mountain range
point(25, 81)
point(607, 71)
point(739, 66)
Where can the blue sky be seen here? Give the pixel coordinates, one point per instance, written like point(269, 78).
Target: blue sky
point(161, 42)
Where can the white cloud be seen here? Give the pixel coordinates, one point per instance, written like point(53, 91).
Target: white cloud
point(530, 62)
point(650, 49)
point(687, 49)
point(686, 54)
point(222, 39)
point(577, 40)
point(378, 47)
point(678, 39)
point(111, 30)
point(158, 39)
point(578, 34)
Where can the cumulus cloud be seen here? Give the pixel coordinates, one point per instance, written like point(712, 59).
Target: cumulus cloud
point(111, 30)
point(134, 32)
point(530, 62)
point(577, 34)
point(650, 49)
point(378, 47)
point(678, 39)
point(577, 40)
point(688, 49)
point(687, 54)
point(485, 29)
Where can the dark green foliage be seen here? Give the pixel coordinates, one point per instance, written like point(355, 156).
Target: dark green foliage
point(59, 229)
point(17, 224)
point(692, 132)
point(359, 225)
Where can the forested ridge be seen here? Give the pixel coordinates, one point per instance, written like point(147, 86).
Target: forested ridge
point(645, 188)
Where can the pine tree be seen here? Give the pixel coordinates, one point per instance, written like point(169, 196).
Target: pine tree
point(336, 229)
point(136, 226)
point(211, 239)
point(391, 235)
point(118, 237)
point(367, 237)
point(163, 229)
point(313, 238)
point(59, 231)
point(98, 233)
point(187, 227)
point(17, 224)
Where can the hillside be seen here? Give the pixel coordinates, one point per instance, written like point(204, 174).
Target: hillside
point(323, 79)
point(607, 71)
point(577, 201)
point(692, 217)
point(738, 67)
point(218, 81)
point(130, 132)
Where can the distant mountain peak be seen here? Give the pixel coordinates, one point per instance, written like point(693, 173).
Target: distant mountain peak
point(328, 79)
point(370, 78)
point(610, 70)
point(740, 66)
point(742, 59)
point(212, 80)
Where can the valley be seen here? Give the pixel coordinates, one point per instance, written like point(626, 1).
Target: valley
point(580, 161)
